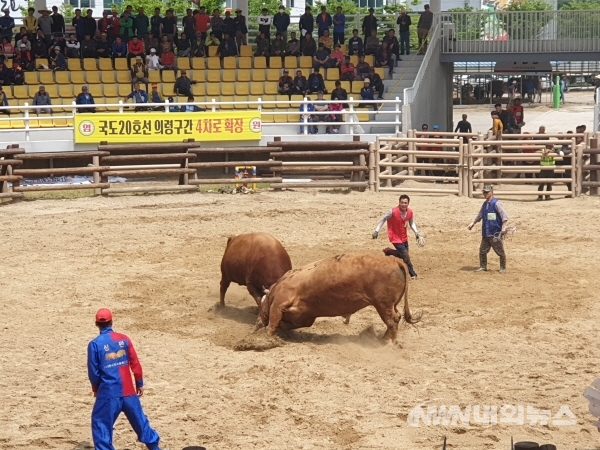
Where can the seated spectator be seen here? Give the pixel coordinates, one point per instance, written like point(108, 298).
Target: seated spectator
point(88, 47)
point(25, 59)
point(155, 97)
point(183, 85)
point(339, 93)
point(151, 41)
point(85, 98)
point(300, 83)
point(103, 48)
point(321, 58)
point(166, 45)
point(167, 61)
point(309, 46)
point(19, 36)
point(4, 102)
point(228, 47)
point(198, 47)
point(367, 93)
point(326, 41)
point(15, 74)
point(320, 106)
point(139, 97)
point(376, 82)
point(286, 84)
point(292, 47)
point(384, 58)
point(213, 41)
point(392, 44)
point(191, 108)
point(337, 56)
point(335, 108)
point(40, 51)
point(152, 60)
point(139, 73)
point(307, 108)
point(58, 60)
point(42, 98)
point(24, 41)
point(316, 82)
point(172, 108)
point(355, 44)
point(262, 45)
point(73, 47)
point(59, 42)
point(277, 46)
point(7, 48)
point(372, 43)
point(135, 48)
point(119, 48)
point(347, 71)
point(4, 75)
point(184, 47)
point(362, 68)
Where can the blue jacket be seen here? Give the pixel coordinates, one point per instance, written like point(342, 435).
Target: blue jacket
point(281, 22)
point(324, 24)
point(491, 220)
point(142, 94)
point(339, 28)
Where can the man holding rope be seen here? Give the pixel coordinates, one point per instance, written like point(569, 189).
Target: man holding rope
point(493, 228)
point(398, 219)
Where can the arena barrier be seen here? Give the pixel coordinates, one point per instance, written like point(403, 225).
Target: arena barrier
point(320, 164)
point(7, 167)
point(589, 168)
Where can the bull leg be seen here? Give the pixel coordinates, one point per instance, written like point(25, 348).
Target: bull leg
point(224, 286)
point(347, 318)
point(391, 319)
point(256, 294)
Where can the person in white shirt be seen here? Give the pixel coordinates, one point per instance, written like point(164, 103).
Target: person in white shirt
point(152, 60)
point(72, 47)
point(264, 23)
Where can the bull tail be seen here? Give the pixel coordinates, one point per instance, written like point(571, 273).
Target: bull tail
point(407, 316)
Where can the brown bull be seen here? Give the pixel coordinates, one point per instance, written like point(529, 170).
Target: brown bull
point(253, 260)
point(339, 286)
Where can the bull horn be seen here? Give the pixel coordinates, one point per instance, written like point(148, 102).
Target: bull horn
point(265, 290)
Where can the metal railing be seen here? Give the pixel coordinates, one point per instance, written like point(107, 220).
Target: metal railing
point(521, 32)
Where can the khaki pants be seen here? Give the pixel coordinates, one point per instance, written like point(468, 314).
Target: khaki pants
point(422, 34)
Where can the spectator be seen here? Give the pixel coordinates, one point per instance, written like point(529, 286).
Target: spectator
point(516, 109)
point(73, 47)
point(307, 108)
point(7, 48)
point(152, 60)
point(119, 48)
point(167, 61)
point(156, 22)
point(337, 56)
point(334, 108)
point(40, 51)
point(372, 43)
point(85, 98)
point(362, 68)
point(188, 23)
point(139, 97)
point(184, 48)
point(281, 20)
point(309, 46)
point(369, 25)
point(4, 75)
point(307, 23)
point(168, 25)
point(241, 29)
point(88, 47)
point(423, 27)
point(191, 108)
point(404, 24)
point(155, 97)
point(393, 45)
point(549, 164)
point(7, 24)
point(198, 47)
point(128, 10)
point(355, 44)
point(324, 21)
point(228, 25)
point(15, 74)
point(165, 45)
point(339, 93)
point(114, 29)
point(300, 83)
point(30, 23)
point(24, 41)
point(264, 23)
point(150, 41)
point(227, 46)
point(384, 58)
point(277, 46)
point(286, 84)
point(217, 24)
point(141, 23)
point(316, 82)
point(25, 59)
point(59, 42)
point(90, 25)
point(497, 126)
point(202, 23)
point(326, 41)
point(464, 127)
point(139, 73)
point(321, 58)
point(42, 98)
point(292, 48)
point(103, 49)
point(262, 45)
point(79, 23)
point(104, 24)
point(22, 32)
point(339, 26)
point(183, 85)
point(126, 27)
point(367, 93)
point(213, 41)
point(172, 108)
point(320, 106)
point(58, 61)
point(508, 120)
point(376, 82)
point(4, 102)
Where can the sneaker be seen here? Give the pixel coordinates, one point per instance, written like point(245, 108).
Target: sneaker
point(481, 269)
point(502, 270)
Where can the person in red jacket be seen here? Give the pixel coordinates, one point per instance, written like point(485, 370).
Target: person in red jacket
point(398, 219)
point(135, 48)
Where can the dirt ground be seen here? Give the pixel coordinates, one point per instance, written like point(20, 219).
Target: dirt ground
point(528, 337)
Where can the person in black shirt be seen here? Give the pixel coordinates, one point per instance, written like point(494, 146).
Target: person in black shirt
point(58, 21)
point(463, 126)
point(169, 26)
point(355, 44)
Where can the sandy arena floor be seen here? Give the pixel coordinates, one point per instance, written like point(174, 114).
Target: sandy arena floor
point(525, 338)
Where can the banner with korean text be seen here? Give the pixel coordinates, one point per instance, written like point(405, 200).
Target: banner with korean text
point(145, 127)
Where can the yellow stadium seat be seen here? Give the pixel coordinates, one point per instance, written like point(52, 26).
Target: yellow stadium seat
point(329, 85)
point(190, 73)
point(90, 77)
point(199, 76)
point(290, 62)
point(275, 62)
point(241, 99)
point(124, 90)
point(273, 74)
point(333, 74)
point(168, 90)
point(17, 124)
point(246, 50)
point(244, 75)
point(241, 88)
point(295, 101)
point(280, 118)
point(21, 102)
point(381, 72)
point(253, 98)
point(271, 87)
point(51, 90)
point(214, 63)
point(107, 77)
point(154, 76)
point(362, 116)
point(213, 89)
point(74, 64)
point(65, 90)
point(183, 63)
point(213, 76)
point(284, 98)
point(105, 64)
point(60, 123)
point(260, 62)
point(110, 90)
point(20, 92)
point(370, 59)
point(227, 89)
point(230, 62)
point(46, 123)
point(245, 62)
point(227, 98)
point(33, 123)
point(354, 59)
point(306, 62)
point(199, 89)
point(123, 77)
point(357, 86)
point(95, 90)
point(212, 51)
point(345, 85)
point(257, 88)
point(266, 101)
point(89, 64)
point(121, 64)
point(31, 78)
point(46, 78)
point(343, 49)
point(228, 76)
point(112, 101)
point(198, 63)
point(258, 75)
point(293, 118)
point(5, 124)
point(267, 118)
point(168, 76)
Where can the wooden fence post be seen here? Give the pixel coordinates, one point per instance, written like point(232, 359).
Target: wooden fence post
point(594, 172)
point(372, 147)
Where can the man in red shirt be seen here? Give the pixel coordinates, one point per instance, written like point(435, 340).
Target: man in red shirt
point(398, 219)
point(517, 110)
point(202, 23)
point(135, 48)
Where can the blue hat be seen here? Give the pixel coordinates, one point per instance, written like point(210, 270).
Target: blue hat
point(436, 127)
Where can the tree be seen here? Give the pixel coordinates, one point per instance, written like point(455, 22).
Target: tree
point(468, 27)
point(525, 26)
point(576, 24)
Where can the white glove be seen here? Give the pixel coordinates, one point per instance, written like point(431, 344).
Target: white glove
point(420, 241)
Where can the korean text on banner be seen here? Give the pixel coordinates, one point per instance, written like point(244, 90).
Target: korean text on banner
point(141, 127)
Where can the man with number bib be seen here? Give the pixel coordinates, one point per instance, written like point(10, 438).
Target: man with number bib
point(398, 220)
point(494, 218)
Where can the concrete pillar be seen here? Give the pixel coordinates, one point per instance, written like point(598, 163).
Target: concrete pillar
point(243, 5)
point(39, 4)
point(435, 6)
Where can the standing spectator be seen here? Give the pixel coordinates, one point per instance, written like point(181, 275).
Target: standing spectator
point(15, 74)
point(300, 83)
point(316, 82)
point(4, 101)
point(30, 22)
point(85, 98)
point(241, 29)
point(184, 47)
point(115, 26)
point(103, 48)
point(167, 61)
point(139, 73)
point(339, 26)
point(362, 68)
point(549, 163)
point(188, 23)
point(385, 58)
point(169, 26)
point(217, 24)
point(141, 23)
point(321, 58)
point(42, 98)
point(126, 27)
point(367, 93)
point(128, 10)
point(73, 47)
point(58, 21)
point(264, 23)
point(307, 22)
point(516, 109)
point(347, 70)
point(155, 23)
point(58, 61)
point(139, 96)
point(508, 120)
point(88, 47)
point(135, 48)
point(281, 20)
point(393, 45)
point(404, 24)
point(324, 21)
point(372, 43)
point(45, 23)
point(423, 27)
point(104, 23)
point(183, 85)
point(306, 117)
point(309, 46)
point(202, 23)
point(369, 25)
point(355, 44)
point(564, 87)
point(277, 46)
point(119, 48)
point(227, 46)
point(79, 23)
point(464, 127)
point(337, 56)
point(376, 82)
point(7, 24)
point(228, 25)
point(292, 48)
point(90, 24)
point(152, 60)
point(262, 45)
